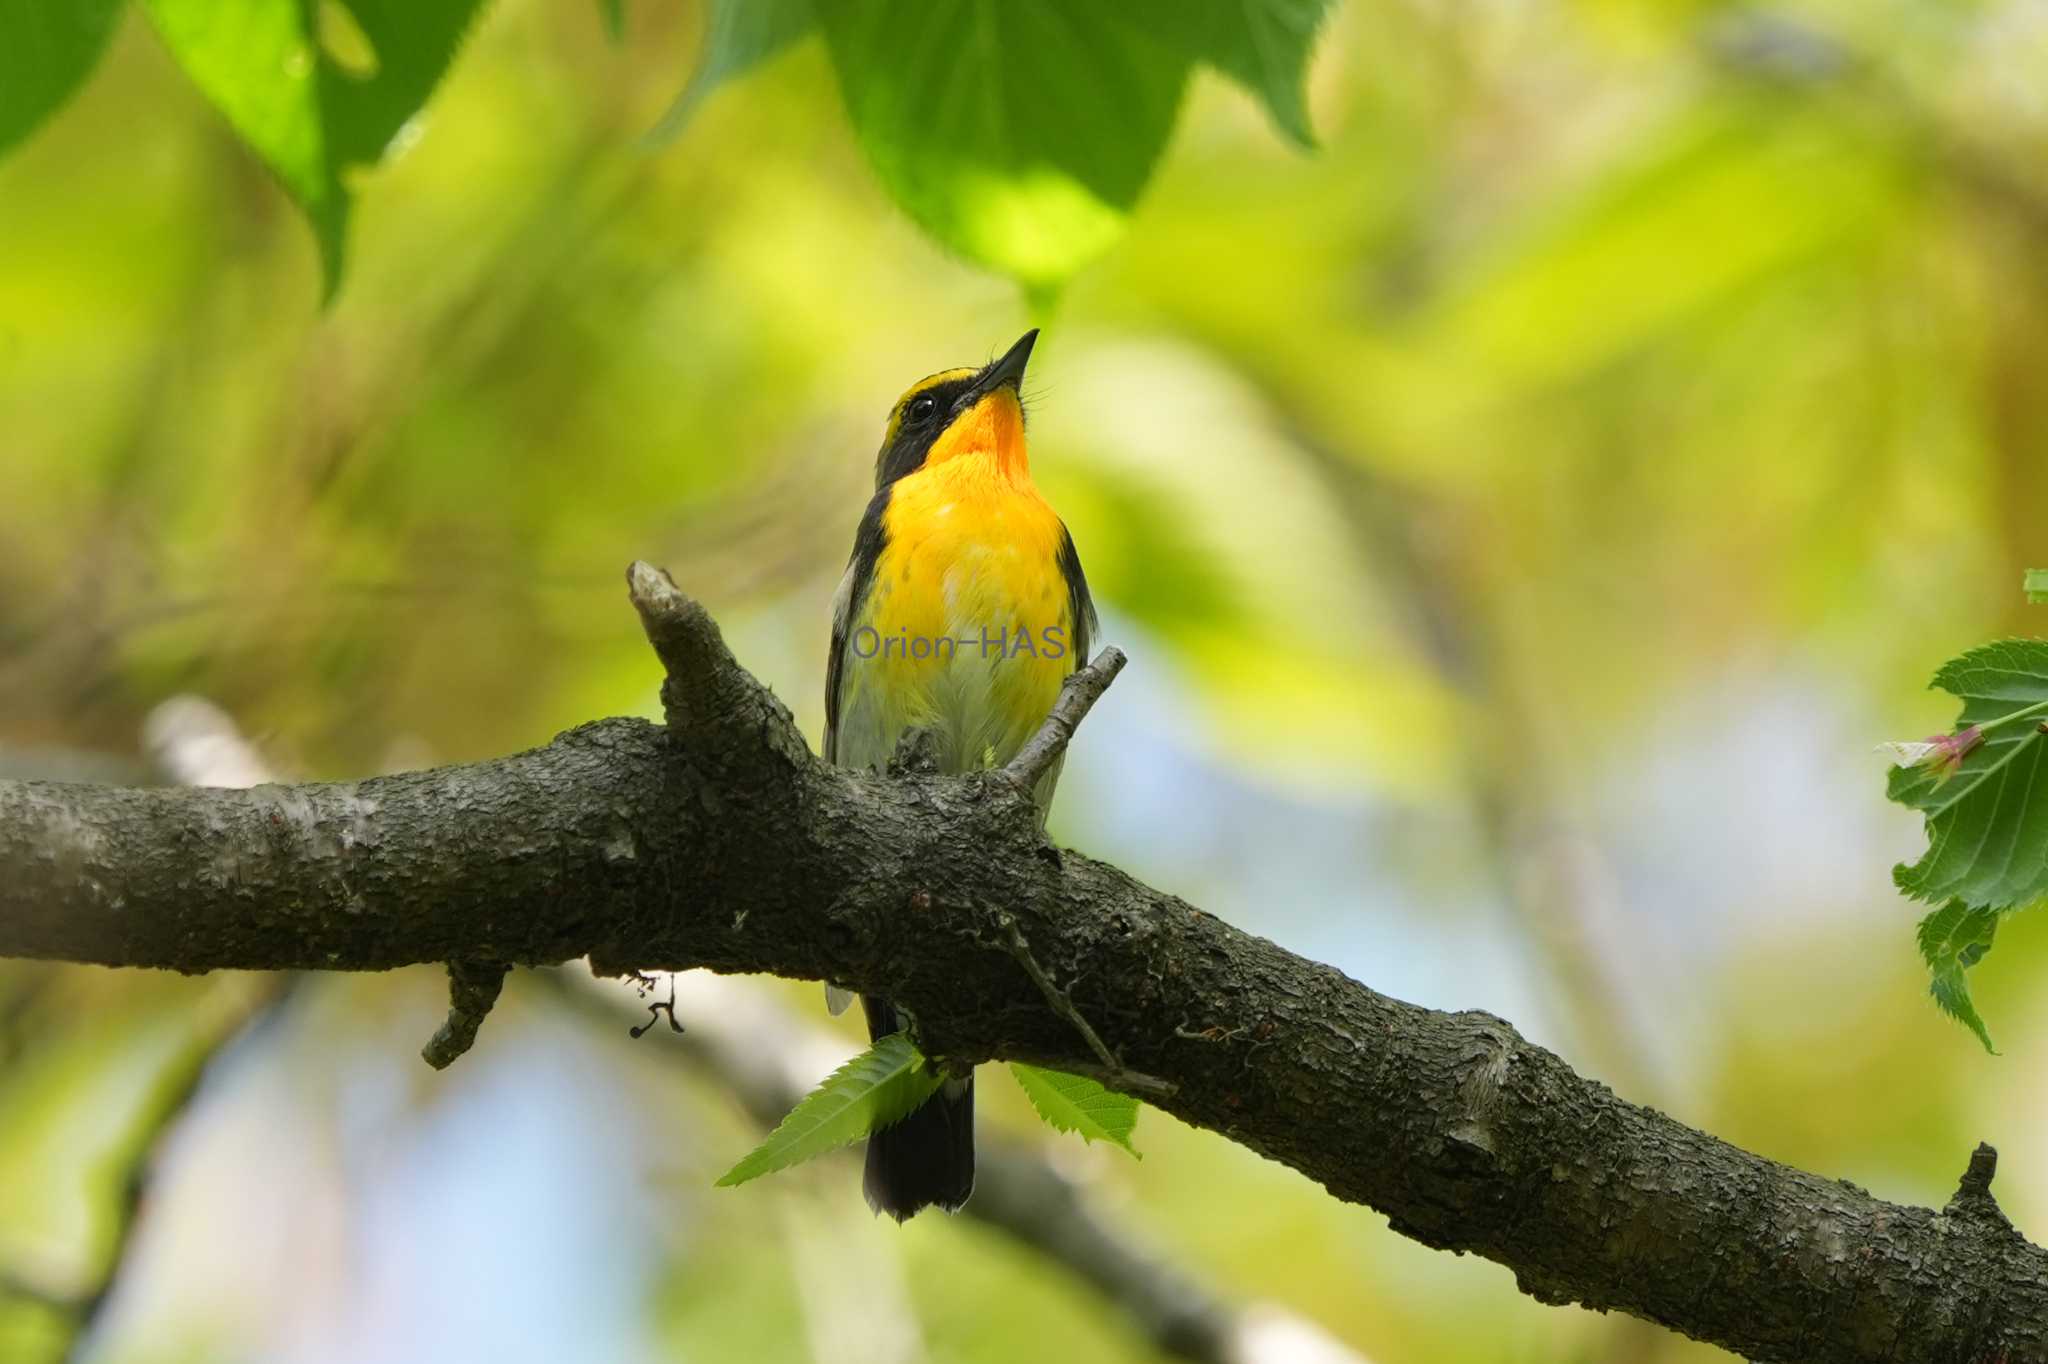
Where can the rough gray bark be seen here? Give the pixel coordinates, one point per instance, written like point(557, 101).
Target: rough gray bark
point(719, 841)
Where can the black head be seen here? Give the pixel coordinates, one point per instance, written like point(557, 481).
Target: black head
point(933, 405)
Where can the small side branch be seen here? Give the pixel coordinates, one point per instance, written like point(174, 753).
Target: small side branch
point(707, 698)
point(684, 636)
point(1115, 1072)
point(472, 989)
point(1077, 697)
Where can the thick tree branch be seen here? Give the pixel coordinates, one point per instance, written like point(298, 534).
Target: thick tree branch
point(719, 841)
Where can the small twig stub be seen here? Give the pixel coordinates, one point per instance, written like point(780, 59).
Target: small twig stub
point(473, 988)
point(1973, 1192)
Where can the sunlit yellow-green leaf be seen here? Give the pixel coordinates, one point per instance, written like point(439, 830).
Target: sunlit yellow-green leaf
point(1075, 1103)
point(1018, 135)
point(876, 1089)
point(259, 65)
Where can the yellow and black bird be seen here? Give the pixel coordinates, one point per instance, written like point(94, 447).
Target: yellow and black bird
point(962, 611)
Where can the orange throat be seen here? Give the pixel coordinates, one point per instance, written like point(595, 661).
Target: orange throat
point(995, 428)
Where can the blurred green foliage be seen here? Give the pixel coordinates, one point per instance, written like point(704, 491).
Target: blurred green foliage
point(738, 36)
point(315, 89)
point(1017, 135)
point(1552, 486)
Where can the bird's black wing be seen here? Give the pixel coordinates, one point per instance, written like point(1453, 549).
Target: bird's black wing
point(853, 591)
point(1079, 604)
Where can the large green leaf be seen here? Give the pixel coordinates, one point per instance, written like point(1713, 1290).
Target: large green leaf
point(47, 48)
point(1075, 1103)
point(1952, 940)
point(1987, 817)
point(880, 1087)
point(314, 99)
point(1018, 135)
point(1263, 45)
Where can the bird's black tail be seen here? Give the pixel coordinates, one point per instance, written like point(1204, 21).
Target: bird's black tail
point(928, 1158)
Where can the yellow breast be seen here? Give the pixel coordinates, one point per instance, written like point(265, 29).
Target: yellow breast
point(967, 625)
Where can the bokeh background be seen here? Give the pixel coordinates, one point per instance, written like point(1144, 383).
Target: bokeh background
point(1525, 513)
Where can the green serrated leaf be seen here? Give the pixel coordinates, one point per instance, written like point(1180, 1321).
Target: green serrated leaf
point(1952, 940)
point(876, 1089)
point(2036, 585)
point(1263, 45)
point(47, 49)
point(315, 89)
point(738, 36)
point(1987, 821)
point(1074, 1103)
point(1017, 135)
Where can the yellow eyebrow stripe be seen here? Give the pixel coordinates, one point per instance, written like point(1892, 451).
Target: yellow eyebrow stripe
point(944, 376)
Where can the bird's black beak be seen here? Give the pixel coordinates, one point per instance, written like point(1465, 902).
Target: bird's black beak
point(1007, 372)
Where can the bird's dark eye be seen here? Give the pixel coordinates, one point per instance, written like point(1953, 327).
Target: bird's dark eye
point(920, 408)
